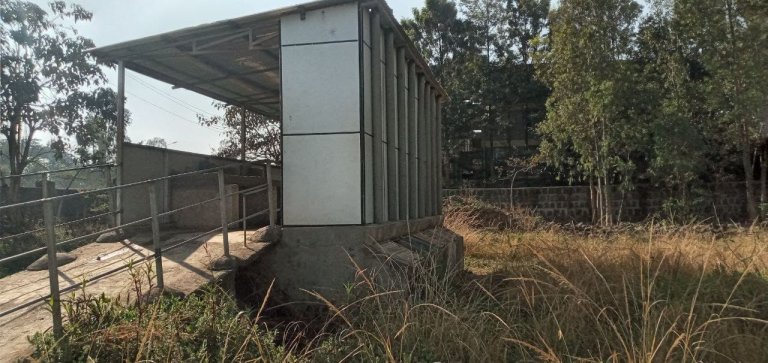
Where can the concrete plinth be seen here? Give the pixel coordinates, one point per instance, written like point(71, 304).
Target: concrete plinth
point(326, 259)
point(42, 262)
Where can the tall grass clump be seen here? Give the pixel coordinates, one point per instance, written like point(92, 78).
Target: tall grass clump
point(203, 327)
point(636, 295)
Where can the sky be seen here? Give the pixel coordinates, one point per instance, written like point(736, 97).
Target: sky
point(156, 109)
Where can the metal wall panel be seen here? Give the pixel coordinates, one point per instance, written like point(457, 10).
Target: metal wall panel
point(332, 24)
point(321, 88)
point(321, 178)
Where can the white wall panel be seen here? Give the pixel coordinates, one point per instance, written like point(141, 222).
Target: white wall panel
point(321, 88)
point(335, 23)
point(321, 179)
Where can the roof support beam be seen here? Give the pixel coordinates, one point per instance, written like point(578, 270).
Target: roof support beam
point(217, 96)
point(224, 78)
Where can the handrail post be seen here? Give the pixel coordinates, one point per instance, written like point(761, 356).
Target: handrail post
point(271, 198)
point(225, 262)
point(156, 235)
point(53, 268)
point(111, 196)
point(223, 211)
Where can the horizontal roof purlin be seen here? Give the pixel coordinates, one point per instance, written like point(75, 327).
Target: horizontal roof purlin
point(235, 61)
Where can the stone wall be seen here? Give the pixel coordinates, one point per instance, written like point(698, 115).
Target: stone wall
point(724, 202)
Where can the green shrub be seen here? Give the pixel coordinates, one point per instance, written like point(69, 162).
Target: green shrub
point(205, 327)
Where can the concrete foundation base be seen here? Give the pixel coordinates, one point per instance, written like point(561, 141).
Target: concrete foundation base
point(41, 263)
point(223, 263)
point(327, 260)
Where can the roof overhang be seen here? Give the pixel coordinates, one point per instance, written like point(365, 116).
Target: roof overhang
point(234, 61)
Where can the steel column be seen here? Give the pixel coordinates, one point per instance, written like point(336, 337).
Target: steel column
point(152, 188)
point(53, 268)
point(377, 117)
point(392, 138)
point(413, 161)
point(223, 210)
point(120, 140)
point(402, 133)
point(421, 145)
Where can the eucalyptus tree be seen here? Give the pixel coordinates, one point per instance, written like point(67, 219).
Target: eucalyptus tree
point(731, 37)
point(591, 122)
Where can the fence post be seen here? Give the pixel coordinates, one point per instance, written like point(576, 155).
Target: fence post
point(156, 235)
point(111, 196)
point(271, 198)
point(225, 262)
point(53, 268)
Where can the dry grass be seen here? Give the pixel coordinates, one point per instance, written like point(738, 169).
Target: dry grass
point(644, 293)
point(532, 292)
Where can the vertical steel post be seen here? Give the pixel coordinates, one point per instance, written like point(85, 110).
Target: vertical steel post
point(271, 199)
point(413, 149)
point(393, 144)
point(111, 197)
point(402, 133)
point(53, 269)
point(156, 235)
point(379, 120)
point(223, 210)
point(120, 140)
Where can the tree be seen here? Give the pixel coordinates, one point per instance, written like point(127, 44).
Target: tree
point(449, 44)
point(262, 139)
point(591, 124)
point(155, 142)
point(48, 81)
point(731, 37)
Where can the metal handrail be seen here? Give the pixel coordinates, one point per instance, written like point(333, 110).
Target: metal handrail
point(52, 244)
point(107, 189)
point(76, 239)
point(122, 267)
point(87, 167)
point(97, 216)
point(95, 234)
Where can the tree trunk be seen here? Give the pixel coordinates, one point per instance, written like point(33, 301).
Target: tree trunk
point(608, 200)
point(749, 177)
point(600, 201)
point(592, 200)
point(764, 175)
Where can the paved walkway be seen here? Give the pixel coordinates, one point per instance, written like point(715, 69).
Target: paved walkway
point(185, 270)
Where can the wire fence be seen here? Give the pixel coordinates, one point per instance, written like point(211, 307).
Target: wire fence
point(48, 201)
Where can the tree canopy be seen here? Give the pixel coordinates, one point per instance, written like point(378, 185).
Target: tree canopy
point(49, 83)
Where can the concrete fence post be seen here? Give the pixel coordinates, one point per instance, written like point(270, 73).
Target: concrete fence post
point(53, 268)
point(156, 235)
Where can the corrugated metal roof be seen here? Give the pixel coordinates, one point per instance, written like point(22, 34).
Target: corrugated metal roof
point(235, 61)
